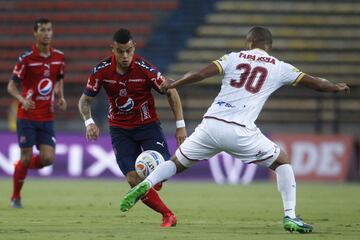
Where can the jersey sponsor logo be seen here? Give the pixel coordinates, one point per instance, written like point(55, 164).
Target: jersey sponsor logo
point(57, 63)
point(124, 104)
point(225, 104)
point(44, 98)
point(35, 64)
point(45, 86)
point(136, 80)
point(109, 80)
point(144, 110)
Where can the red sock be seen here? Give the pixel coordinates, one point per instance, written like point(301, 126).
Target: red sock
point(153, 201)
point(35, 162)
point(18, 179)
point(21, 172)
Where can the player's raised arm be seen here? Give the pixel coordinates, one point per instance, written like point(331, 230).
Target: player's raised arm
point(323, 85)
point(196, 76)
point(92, 131)
point(176, 107)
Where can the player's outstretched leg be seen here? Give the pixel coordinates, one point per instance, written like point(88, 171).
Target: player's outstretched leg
point(134, 195)
point(296, 224)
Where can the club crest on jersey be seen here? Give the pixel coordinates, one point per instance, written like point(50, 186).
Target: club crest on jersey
point(124, 104)
point(45, 86)
point(123, 92)
point(46, 73)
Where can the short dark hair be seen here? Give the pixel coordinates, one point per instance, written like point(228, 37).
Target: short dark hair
point(122, 36)
point(260, 34)
point(40, 21)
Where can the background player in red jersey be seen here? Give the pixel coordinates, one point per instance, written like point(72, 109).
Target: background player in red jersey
point(40, 72)
point(134, 124)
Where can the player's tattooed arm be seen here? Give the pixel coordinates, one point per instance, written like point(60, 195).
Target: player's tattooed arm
point(92, 131)
point(176, 107)
point(85, 106)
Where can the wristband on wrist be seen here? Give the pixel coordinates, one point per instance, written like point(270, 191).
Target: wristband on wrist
point(89, 121)
point(180, 124)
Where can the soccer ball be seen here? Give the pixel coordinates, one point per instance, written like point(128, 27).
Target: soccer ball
point(146, 162)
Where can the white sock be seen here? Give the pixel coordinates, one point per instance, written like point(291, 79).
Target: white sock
point(287, 188)
point(163, 172)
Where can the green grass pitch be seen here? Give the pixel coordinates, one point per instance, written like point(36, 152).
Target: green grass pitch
point(89, 209)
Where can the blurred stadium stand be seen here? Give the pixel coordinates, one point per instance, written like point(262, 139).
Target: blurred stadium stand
point(83, 30)
point(320, 38)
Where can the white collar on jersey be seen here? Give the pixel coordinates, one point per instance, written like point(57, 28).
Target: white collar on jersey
point(260, 50)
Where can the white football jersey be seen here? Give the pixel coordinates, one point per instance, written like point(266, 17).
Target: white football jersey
point(249, 79)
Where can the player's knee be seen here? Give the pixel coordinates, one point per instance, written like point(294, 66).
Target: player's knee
point(281, 160)
point(133, 178)
point(47, 160)
point(25, 160)
point(179, 166)
point(26, 155)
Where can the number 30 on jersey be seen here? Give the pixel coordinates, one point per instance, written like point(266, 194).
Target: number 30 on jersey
point(252, 78)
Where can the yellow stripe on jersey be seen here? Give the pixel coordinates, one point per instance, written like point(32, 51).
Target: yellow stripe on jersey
point(219, 67)
point(298, 79)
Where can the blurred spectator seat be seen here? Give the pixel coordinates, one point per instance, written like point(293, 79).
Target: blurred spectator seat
point(320, 38)
point(82, 30)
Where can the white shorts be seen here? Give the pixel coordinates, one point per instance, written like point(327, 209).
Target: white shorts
point(213, 136)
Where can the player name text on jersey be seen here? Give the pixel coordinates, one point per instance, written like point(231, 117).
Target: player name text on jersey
point(257, 58)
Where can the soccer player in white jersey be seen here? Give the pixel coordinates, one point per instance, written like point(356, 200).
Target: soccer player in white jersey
point(249, 79)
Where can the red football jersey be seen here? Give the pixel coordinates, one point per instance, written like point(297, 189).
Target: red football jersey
point(38, 75)
point(131, 103)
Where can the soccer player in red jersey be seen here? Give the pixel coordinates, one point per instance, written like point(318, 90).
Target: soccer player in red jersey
point(134, 125)
point(40, 72)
